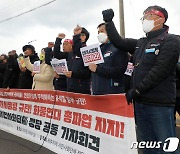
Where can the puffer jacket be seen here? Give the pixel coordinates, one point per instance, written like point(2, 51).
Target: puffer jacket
point(109, 76)
point(155, 59)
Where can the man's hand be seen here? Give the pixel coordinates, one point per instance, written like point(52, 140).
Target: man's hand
point(132, 94)
point(61, 35)
point(7, 89)
point(56, 75)
point(50, 44)
point(108, 15)
point(68, 74)
point(93, 67)
point(23, 69)
point(77, 30)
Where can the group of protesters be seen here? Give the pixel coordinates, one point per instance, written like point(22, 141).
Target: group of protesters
point(105, 78)
point(152, 88)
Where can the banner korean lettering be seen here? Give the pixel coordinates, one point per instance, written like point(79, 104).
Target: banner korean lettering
point(59, 66)
point(92, 54)
point(74, 123)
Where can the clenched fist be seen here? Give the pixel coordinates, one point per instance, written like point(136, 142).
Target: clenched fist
point(50, 44)
point(77, 30)
point(61, 35)
point(108, 15)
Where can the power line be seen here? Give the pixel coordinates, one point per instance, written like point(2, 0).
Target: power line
point(19, 7)
point(27, 11)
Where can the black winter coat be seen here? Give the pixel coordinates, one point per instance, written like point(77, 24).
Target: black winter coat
point(12, 71)
point(2, 72)
point(178, 78)
point(25, 79)
point(80, 80)
point(109, 76)
point(155, 59)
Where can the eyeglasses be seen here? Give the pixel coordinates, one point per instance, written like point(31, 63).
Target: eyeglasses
point(149, 16)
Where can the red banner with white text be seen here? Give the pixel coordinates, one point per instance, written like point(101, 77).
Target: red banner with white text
point(69, 123)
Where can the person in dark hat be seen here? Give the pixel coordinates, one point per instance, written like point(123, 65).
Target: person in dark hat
point(30, 47)
point(153, 90)
point(84, 35)
point(25, 78)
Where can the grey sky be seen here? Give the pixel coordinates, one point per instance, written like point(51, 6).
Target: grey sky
point(63, 15)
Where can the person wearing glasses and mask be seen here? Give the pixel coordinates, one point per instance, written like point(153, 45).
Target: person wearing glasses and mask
point(153, 81)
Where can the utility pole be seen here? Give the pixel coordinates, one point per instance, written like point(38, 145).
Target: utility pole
point(121, 18)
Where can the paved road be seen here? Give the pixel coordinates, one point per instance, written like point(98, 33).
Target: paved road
point(10, 144)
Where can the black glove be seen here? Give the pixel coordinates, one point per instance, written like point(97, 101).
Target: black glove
point(132, 94)
point(108, 15)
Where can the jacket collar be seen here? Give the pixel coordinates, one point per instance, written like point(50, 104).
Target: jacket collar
point(158, 32)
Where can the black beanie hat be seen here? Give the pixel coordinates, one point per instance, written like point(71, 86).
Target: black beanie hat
point(84, 31)
point(28, 46)
point(158, 8)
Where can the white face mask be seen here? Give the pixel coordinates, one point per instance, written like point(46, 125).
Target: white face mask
point(148, 25)
point(102, 37)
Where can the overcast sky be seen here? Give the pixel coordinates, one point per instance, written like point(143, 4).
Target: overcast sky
point(45, 23)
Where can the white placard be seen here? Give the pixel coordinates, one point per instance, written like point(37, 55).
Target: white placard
point(36, 67)
point(92, 54)
point(59, 66)
point(129, 69)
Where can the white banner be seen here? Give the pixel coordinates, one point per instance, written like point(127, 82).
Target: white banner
point(92, 54)
point(69, 123)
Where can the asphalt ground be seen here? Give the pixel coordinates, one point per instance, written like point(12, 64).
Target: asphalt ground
point(11, 144)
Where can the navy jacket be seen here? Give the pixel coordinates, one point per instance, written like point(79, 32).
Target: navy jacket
point(155, 59)
point(11, 74)
point(178, 78)
point(109, 76)
point(80, 80)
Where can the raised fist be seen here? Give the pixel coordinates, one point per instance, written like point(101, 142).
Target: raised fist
point(77, 30)
point(50, 44)
point(108, 15)
point(61, 35)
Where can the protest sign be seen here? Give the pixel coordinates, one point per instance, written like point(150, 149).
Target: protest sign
point(92, 54)
point(66, 123)
point(59, 66)
point(129, 69)
point(36, 67)
point(21, 61)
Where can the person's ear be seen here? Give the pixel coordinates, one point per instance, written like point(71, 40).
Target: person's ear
point(162, 20)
